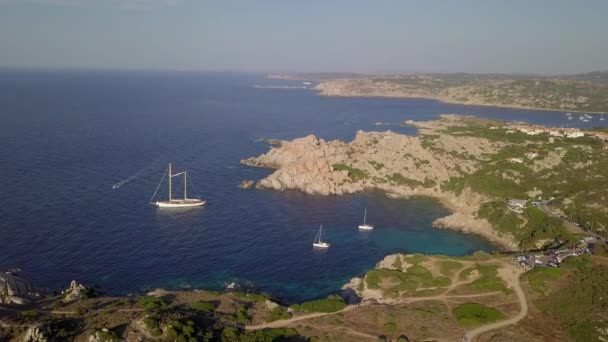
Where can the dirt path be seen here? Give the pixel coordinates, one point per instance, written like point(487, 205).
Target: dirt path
point(513, 277)
point(284, 322)
point(349, 331)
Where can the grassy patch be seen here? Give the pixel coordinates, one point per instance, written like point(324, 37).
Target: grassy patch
point(353, 173)
point(540, 278)
point(395, 283)
point(399, 179)
point(471, 315)
point(449, 267)
point(329, 304)
point(488, 280)
point(149, 302)
point(203, 306)
point(277, 313)
point(30, 313)
point(576, 297)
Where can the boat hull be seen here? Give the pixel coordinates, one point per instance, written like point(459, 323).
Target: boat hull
point(366, 227)
point(180, 204)
point(321, 245)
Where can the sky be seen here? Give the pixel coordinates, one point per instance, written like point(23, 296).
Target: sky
point(484, 36)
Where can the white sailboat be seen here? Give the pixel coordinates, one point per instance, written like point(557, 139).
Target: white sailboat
point(318, 243)
point(365, 226)
point(177, 202)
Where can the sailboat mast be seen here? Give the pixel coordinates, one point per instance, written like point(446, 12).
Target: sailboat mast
point(320, 233)
point(185, 186)
point(170, 175)
point(364, 215)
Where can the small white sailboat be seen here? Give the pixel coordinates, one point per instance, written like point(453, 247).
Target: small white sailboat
point(569, 117)
point(177, 202)
point(318, 243)
point(365, 226)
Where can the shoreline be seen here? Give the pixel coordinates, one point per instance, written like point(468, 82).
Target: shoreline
point(441, 100)
point(317, 167)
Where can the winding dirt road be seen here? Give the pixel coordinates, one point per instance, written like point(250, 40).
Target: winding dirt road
point(513, 276)
point(284, 322)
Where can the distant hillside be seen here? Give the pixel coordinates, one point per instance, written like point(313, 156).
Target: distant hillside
point(580, 92)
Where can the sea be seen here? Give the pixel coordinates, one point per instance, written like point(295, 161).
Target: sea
point(82, 152)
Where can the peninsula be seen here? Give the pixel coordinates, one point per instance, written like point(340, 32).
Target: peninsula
point(581, 92)
point(518, 185)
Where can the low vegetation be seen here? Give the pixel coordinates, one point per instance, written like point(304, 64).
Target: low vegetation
point(470, 315)
point(330, 304)
point(575, 296)
point(394, 283)
point(354, 173)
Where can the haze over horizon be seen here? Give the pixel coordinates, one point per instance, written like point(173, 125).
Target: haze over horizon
point(541, 37)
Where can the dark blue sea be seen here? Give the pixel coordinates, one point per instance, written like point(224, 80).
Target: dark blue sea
point(67, 137)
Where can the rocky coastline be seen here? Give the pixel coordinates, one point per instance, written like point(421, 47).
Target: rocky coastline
point(400, 166)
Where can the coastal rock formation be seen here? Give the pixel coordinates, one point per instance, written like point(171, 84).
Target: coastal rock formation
point(37, 333)
point(75, 292)
point(400, 165)
point(247, 184)
point(16, 290)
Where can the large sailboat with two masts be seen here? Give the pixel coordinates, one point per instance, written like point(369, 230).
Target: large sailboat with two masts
point(184, 202)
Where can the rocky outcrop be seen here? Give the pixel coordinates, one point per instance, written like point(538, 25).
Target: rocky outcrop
point(38, 333)
point(16, 290)
point(247, 184)
point(400, 165)
point(75, 292)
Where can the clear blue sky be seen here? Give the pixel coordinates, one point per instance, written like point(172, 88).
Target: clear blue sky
point(541, 36)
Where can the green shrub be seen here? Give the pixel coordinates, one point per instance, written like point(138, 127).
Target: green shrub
point(177, 331)
point(153, 326)
point(277, 313)
point(254, 297)
point(203, 306)
point(354, 173)
point(399, 179)
point(242, 314)
point(30, 313)
point(330, 304)
point(149, 302)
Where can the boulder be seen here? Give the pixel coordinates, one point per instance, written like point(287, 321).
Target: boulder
point(16, 290)
point(38, 333)
point(247, 184)
point(75, 292)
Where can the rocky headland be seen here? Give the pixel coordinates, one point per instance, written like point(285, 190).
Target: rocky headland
point(399, 165)
point(472, 166)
